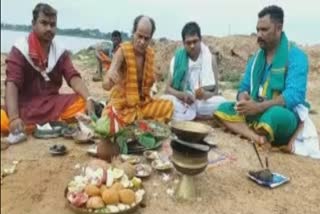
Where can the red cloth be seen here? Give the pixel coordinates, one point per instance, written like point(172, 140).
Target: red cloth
point(39, 101)
point(113, 117)
point(36, 53)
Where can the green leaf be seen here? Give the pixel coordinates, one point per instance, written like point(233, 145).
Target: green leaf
point(122, 142)
point(103, 126)
point(147, 140)
point(94, 117)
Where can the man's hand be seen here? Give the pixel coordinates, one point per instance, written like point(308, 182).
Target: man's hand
point(244, 96)
point(16, 125)
point(187, 98)
point(113, 75)
point(90, 107)
point(80, 88)
point(200, 94)
point(247, 107)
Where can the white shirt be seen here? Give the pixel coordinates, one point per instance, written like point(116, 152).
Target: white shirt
point(200, 72)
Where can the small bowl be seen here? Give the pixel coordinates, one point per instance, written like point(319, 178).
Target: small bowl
point(143, 170)
point(132, 159)
point(82, 138)
point(68, 132)
point(161, 165)
point(151, 155)
point(58, 149)
point(93, 150)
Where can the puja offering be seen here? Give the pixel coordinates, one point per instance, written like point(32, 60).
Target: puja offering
point(82, 136)
point(103, 191)
point(58, 149)
point(69, 131)
point(151, 155)
point(49, 130)
point(143, 170)
point(157, 129)
point(141, 136)
point(133, 159)
point(161, 165)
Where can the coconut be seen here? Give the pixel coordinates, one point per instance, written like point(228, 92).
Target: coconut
point(92, 190)
point(95, 202)
point(103, 188)
point(127, 196)
point(117, 186)
point(110, 196)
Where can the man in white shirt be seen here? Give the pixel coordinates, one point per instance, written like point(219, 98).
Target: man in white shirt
point(193, 85)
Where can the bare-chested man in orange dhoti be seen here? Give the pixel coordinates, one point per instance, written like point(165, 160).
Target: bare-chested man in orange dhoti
point(131, 77)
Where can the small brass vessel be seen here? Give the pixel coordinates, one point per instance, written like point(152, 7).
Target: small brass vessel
point(190, 159)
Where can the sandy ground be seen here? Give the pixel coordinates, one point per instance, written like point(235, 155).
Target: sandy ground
point(38, 185)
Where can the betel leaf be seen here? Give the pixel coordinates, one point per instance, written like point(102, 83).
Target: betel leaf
point(122, 142)
point(122, 137)
point(94, 117)
point(102, 126)
point(147, 140)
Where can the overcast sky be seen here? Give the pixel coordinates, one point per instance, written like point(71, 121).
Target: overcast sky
point(215, 17)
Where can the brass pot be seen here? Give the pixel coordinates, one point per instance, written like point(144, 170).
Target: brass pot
point(188, 158)
point(190, 131)
point(189, 164)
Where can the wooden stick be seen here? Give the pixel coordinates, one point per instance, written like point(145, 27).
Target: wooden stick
point(267, 163)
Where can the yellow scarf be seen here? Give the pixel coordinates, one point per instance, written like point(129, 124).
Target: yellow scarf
point(126, 94)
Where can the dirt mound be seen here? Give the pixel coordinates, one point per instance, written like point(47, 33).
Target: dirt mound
point(232, 52)
point(314, 57)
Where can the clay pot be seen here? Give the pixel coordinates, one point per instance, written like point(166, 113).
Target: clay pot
point(106, 150)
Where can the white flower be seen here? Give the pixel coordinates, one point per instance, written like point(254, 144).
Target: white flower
point(170, 191)
point(165, 177)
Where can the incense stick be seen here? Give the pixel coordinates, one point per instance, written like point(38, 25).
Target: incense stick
point(257, 153)
point(267, 163)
